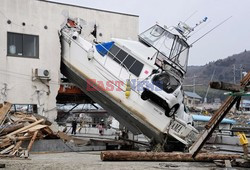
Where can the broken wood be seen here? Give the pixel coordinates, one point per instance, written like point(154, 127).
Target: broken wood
point(26, 127)
point(64, 137)
point(18, 127)
point(163, 156)
point(35, 128)
point(7, 149)
point(32, 141)
point(22, 138)
point(4, 110)
point(216, 119)
point(11, 128)
point(228, 86)
point(5, 142)
point(17, 146)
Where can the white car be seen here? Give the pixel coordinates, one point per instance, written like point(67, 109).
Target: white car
point(166, 91)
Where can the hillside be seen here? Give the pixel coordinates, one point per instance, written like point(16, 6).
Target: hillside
point(223, 71)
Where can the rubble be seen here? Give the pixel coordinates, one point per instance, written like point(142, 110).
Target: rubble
point(18, 127)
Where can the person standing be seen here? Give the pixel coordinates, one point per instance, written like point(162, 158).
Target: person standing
point(74, 124)
point(101, 127)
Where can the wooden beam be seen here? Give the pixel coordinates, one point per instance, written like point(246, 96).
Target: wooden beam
point(5, 142)
point(17, 146)
point(229, 87)
point(25, 128)
point(4, 110)
point(12, 128)
point(7, 149)
point(163, 156)
point(216, 119)
point(64, 137)
point(32, 141)
point(226, 86)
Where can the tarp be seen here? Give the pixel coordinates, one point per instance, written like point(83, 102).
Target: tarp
point(103, 48)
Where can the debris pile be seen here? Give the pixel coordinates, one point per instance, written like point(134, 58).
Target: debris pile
point(16, 128)
point(239, 118)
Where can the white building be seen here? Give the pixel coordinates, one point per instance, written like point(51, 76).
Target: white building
point(30, 47)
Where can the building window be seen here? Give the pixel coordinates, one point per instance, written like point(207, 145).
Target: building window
point(22, 45)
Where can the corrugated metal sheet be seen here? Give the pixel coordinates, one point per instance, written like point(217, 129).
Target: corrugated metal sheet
point(192, 94)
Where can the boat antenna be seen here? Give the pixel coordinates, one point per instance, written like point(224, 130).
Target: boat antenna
point(191, 16)
point(184, 29)
point(211, 30)
point(199, 29)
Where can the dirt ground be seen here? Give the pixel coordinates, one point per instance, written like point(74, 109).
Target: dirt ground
point(91, 160)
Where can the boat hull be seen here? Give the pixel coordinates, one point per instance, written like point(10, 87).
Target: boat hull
point(124, 116)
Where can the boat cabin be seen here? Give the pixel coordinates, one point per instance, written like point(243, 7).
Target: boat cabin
point(172, 49)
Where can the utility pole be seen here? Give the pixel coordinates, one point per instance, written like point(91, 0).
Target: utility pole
point(194, 83)
point(234, 72)
point(241, 71)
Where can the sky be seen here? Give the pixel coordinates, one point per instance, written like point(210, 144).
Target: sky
point(230, 38)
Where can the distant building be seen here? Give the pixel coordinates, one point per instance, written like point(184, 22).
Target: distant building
point(245, 105)
point(217, 100)
point(30, 49)
point(191, 99)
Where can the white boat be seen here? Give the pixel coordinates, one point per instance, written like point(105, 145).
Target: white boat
point(138, 82)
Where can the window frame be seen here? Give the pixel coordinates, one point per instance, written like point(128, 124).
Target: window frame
point(121, 63)
point(23, 56)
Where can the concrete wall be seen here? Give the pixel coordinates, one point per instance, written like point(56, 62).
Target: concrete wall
point(16, 84)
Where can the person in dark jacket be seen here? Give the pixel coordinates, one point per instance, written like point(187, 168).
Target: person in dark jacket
point(74, 124)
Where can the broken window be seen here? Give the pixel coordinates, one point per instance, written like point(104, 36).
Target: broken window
point(22, 45)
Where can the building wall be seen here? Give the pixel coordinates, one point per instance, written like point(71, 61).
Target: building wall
point(189, 101)
point(16, 84)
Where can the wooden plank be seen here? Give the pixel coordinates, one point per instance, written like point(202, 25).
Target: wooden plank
point(11, 128)
point(25, 128)
point(163, 156)
point(48, 131)
point(5, 142)
point(32, 140)
point(64, 137)
point(4, 110)
point(22, 138)
point(17, 146)
point(7, 149)
point(35, 128)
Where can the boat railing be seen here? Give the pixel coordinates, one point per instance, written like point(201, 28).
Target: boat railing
point(71, 39)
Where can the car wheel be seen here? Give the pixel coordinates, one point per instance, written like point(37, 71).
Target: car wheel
point(145, 95)
point(172, 111)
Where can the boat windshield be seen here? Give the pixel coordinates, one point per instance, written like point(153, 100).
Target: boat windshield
point(170, 47)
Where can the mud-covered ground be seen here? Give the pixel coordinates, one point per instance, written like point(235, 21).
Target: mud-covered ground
point(91, 160)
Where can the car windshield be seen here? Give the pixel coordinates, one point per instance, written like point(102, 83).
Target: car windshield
point(166, 82)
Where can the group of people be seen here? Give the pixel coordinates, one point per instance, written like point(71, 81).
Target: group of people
point(100, 127)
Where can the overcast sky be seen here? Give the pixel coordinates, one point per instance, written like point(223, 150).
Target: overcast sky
point(231, 38)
